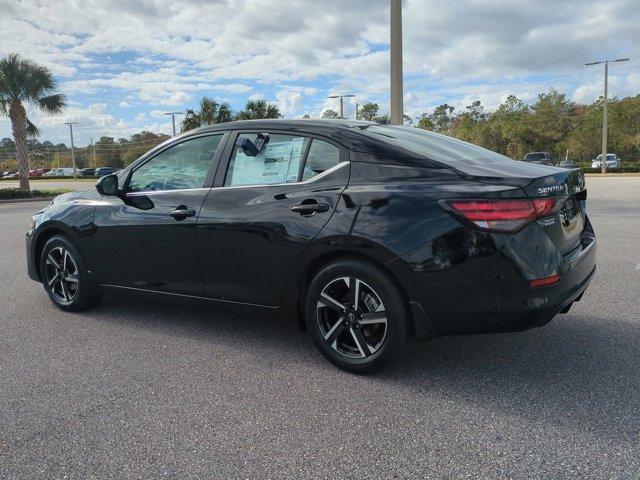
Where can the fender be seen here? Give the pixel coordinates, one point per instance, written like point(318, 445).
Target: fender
point(73, 219)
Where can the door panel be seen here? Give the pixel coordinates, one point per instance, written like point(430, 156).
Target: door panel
point(146, 237)
point(249, 239)
point(140, 245)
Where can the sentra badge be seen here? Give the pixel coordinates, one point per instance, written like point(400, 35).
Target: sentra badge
point(548, 190)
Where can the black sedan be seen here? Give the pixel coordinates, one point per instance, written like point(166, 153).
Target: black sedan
point(368, 234)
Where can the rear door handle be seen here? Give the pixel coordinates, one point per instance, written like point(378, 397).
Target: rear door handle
point(182, 212)
point(310, 208)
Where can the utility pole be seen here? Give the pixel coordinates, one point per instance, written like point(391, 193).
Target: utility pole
point(93, 147)
point(173, 119)
point(605, 108)
point(395, 52)
point(357, 110)
point(73, 155)
point(341, 97)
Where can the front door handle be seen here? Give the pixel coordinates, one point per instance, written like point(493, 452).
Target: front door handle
point(182, 212)
point(310, 208)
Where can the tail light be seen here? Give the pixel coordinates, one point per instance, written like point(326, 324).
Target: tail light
point(502, 215)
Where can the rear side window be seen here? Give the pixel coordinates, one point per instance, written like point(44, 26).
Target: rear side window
point(322, 156)
point(435, 146)
point(279, 161)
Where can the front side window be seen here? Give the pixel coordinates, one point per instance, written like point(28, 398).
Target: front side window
point(182, 166)
point(278, 161)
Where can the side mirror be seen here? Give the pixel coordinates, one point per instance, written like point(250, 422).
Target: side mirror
point(108, 185)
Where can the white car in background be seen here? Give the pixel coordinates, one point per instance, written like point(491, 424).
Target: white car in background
point(59, 172)
point(613, 161)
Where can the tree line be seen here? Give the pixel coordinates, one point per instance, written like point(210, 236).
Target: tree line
point(106, 152)
point(553, 123)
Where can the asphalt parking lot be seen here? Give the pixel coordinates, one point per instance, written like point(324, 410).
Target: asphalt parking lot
point(158, 389)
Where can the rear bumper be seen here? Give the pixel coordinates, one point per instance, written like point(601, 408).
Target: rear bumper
point(478, 297)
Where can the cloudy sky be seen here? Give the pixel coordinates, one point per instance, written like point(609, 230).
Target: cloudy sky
point(123, 62)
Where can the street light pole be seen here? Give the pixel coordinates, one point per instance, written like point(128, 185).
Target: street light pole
point(73, 155)
point(341, 97)
point(395, 53)
point(173, 120)
point(605, 108)
point(93, 147)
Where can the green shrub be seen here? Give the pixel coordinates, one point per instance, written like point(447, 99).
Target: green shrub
point(11, 193)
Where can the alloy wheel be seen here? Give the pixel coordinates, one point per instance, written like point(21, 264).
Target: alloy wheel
point(62, 275)
point(352, 317)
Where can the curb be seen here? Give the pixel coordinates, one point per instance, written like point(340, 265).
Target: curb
point(26, 200)
point(628, 174)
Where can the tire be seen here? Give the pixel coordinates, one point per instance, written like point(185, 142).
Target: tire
point(64, 276)
point(361, 336)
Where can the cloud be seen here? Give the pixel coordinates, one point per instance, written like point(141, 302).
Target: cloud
point(289, 102)
point(155, 54)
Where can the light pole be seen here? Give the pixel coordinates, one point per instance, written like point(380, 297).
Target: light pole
point(341, 97)
point(173, 119)
point(603, 163)
point(73, 155)
point(395, 53)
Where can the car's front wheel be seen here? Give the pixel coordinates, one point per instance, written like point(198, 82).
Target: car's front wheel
point(64, 275)
point(356, 315)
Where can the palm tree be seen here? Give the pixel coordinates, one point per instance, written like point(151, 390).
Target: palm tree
point(255, 109)
point(210, 113)
point(22, 81)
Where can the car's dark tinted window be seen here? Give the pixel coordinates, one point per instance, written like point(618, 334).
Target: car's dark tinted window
point(279, 161)
point(322, 156)
point(182, 166)
point(433, 145)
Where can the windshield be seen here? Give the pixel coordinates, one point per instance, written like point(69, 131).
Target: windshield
point(535, 156)
point(433, 145)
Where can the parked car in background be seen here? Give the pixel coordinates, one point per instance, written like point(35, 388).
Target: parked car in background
point(102, 171)
point(38, 172)
point(8, 173)
point(368, 233)
point(87, 172)
point(613, 161)
point(540, 158)
point(567, 164)
point(59, 172)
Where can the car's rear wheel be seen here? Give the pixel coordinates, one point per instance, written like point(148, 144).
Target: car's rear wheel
point(356, 315)
point(64, 275)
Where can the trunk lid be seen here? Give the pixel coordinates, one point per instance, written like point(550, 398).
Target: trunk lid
point(566, 224)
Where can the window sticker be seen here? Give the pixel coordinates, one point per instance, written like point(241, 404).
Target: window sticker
point(277, 162)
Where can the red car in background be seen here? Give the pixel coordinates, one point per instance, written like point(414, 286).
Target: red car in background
point(38, 172)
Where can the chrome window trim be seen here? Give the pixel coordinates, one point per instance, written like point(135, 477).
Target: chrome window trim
point(155, 192)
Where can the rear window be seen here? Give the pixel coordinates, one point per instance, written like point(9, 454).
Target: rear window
point(435, 146)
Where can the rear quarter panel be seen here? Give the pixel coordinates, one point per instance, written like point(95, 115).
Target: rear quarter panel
point(448, 268)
